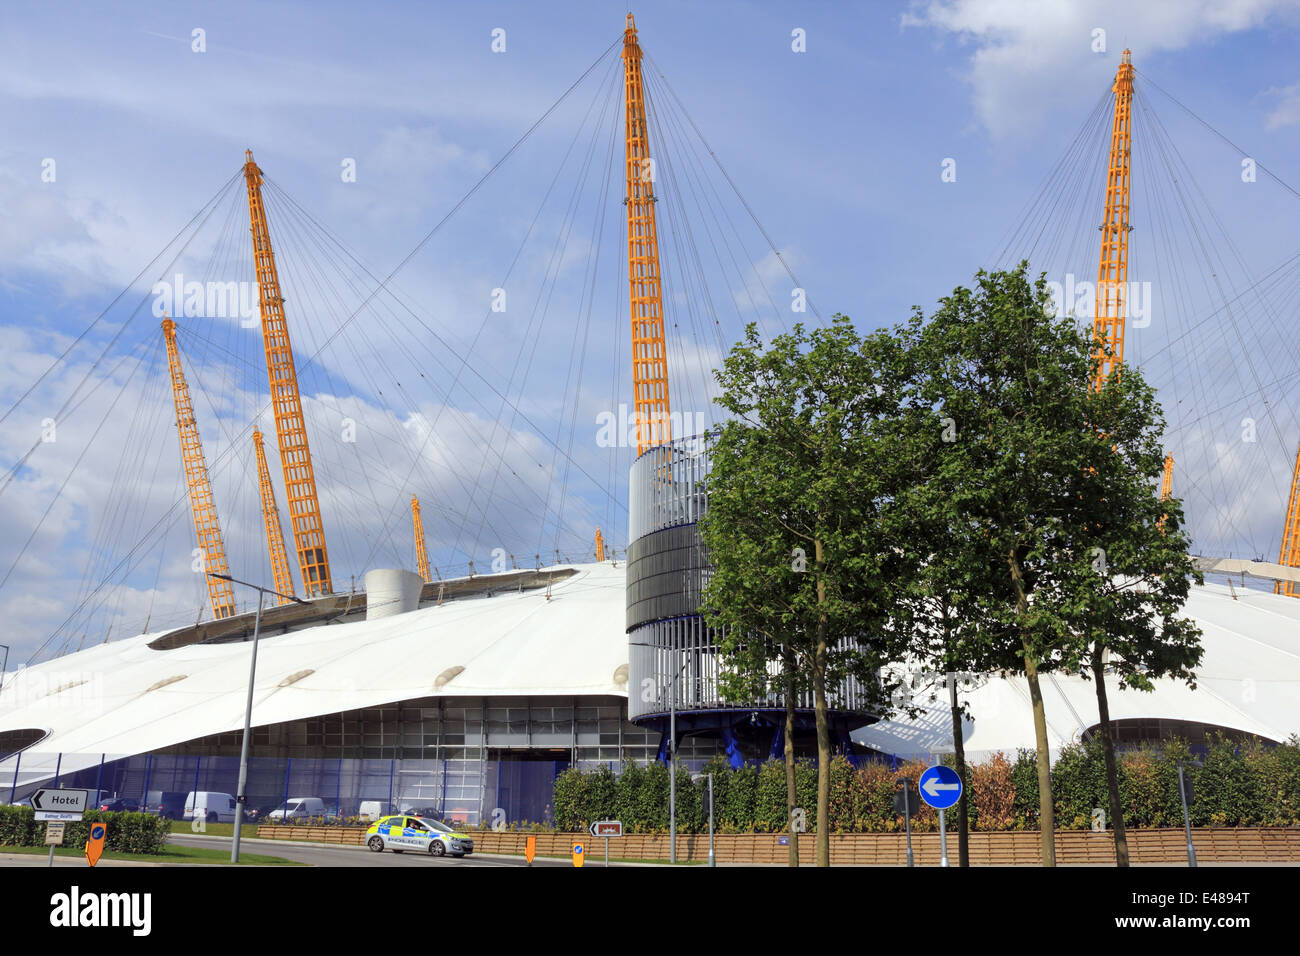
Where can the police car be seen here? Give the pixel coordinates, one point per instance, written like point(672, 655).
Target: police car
point(405, 832)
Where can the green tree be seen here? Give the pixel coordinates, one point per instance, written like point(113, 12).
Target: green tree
point(1025, 483)
point(1130, 573)
point(798, 526)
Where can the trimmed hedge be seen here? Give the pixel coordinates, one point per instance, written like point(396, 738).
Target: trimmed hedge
point(1235, 785)
point(127, 832)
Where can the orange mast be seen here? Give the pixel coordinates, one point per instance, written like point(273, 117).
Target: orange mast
point(600, 546)
point(206, 528)
point(271, 518)
point(421, 553)
point(290, 426)
point(1112, 267)
point(1167, 486)
point(649, 351)
point(1290, 550)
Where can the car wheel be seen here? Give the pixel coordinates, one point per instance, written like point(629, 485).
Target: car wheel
point(376, 843)
point(436, 848)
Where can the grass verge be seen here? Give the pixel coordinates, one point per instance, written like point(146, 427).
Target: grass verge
point(174, 854)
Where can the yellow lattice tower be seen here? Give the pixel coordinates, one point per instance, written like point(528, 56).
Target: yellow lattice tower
point(1290, 550)
point(1166, 486)
point(1112, 267)
point(290, 426)
point(206, 528)
point(421, 553)
point(600, 546)
point(274, 530)
point(649, 351)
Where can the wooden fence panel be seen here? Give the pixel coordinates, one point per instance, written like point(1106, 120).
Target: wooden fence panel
point(1002, 848)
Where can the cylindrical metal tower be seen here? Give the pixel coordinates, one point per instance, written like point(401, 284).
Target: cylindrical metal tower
point(673, 659)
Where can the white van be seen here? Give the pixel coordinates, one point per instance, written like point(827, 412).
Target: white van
point(210, 805)
point(371, 810)
point(299, 808)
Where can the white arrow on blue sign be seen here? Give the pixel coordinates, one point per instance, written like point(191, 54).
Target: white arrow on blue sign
point(940, 787)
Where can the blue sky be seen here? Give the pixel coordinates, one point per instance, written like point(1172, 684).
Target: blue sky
point(838, 150)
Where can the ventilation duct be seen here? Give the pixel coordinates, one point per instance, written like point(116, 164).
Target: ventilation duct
point(390, 592)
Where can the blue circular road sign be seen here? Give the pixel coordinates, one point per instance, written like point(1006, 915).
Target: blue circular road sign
point(97, 831)
point(940, 787)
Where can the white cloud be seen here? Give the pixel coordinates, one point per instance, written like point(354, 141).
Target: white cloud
point(1287, 111)
point(1031, 55)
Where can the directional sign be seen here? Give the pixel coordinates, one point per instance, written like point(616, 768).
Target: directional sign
point(607, 828)
point(95, 845)
point(62, 801)
point(940, 787)
point(56, 815)
point(578, 853)
point(530, 849)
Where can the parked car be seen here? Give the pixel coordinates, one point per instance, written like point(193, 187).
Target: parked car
point(121, 805)
point(299, 808)
point(168, 804)
point(210, 805)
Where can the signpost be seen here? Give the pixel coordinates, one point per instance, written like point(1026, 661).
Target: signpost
point(578, 852)
point(941, 789)
point(607, 829)
point(55, 807)
point(906, 803)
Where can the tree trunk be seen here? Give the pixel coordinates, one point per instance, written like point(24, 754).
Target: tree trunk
point(791, 794)
point(1108, 748)
point(959, 751)
point(823, 730)
point(1046, 813)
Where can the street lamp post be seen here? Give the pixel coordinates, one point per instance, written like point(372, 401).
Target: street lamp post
point(696, 778)
point(240, 796)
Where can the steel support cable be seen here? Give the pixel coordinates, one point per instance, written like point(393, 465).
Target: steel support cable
point(88, 329)
point(426, 238)
point(684, 251)
point(1236, 254)
point(1200, 242)
point(383, 284)
point(708, 200)
point(1165, 148)
point(556, 257)
point(698, 181)
point(1241, 152)
point(314, 286)
point(688, 284)
point(130, 463)
point(588, 164)
point(448, 400)
point(1082, 181)
point(1280, 334)
point(9, 476)
point(589, 293)
point(68, 477)
point(1050, 186)
point(447, 347)
point(730, 182)
point(1067, 164)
